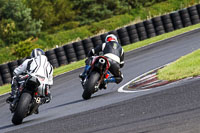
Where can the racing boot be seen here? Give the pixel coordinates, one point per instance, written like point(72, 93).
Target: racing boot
point(12, 95)
point(48, 98)
point(106, 81)
point(103, 85)
point(14, 88)
point(83, 75)
point(10, 98)
point(110, 80)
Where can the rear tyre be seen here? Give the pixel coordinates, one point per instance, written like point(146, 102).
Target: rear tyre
point(22, 108)
point(90, 84)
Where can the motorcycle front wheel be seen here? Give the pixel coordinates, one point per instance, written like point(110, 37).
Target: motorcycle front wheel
point(22, 108)
point(89, 87)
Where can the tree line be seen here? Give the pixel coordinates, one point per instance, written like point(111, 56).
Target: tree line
point(22, 19)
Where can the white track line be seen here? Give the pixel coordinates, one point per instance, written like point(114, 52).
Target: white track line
point(121, 89)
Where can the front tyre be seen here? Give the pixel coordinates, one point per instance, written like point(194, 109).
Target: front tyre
point(22, 108)
point(89, 87)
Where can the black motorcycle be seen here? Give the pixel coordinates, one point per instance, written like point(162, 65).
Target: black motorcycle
point(27, 99)
point(95, 76)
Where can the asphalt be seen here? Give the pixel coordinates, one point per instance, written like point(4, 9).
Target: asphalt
point(172, 108)
point(160, 112)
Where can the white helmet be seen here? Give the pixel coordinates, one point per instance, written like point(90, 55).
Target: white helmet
point(111, 37)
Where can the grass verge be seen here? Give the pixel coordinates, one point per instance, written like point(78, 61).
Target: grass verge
point(186, 66)
point(5, 89)
point(75, 65)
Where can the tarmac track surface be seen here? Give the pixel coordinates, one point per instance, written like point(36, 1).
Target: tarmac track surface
point(169, 109)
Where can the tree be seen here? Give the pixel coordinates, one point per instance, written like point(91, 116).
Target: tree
point(51, 12)
point(88, 11)
point(25, 26)
point(7, 31)
point(63, 11)
point(2, 3)
point(42, 9)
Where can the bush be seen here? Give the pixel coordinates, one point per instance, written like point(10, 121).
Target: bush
point(24, 48)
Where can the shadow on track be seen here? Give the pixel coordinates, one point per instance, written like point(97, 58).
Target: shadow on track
point(23, 123)
point(7, 126)
point(80, 100)
point(101, 95)
point(77, 101)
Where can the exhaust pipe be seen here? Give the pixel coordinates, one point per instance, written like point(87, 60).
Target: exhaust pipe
point(102, 61)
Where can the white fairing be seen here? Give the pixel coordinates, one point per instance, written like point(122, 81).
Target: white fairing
point(113, 57)
point(38, 67)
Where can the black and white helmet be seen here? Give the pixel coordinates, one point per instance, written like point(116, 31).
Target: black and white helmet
point(37, 52)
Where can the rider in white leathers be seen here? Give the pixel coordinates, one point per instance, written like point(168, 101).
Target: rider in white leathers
point(37, 65)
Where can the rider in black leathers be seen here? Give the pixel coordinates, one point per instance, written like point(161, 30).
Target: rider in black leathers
point(114, 52)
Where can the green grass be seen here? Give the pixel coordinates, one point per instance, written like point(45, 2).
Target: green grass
point(186, 66)
point(5, 89)
point(75, 65)
point(68, 67)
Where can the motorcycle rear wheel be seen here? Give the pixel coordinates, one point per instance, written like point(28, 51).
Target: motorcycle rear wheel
point(22, 108)
point(90, 84)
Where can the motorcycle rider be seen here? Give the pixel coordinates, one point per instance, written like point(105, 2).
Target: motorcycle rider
point(39, 65)
point(114, 52)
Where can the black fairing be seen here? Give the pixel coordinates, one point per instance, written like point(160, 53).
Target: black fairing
point(99, 67)
point(32, 84)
